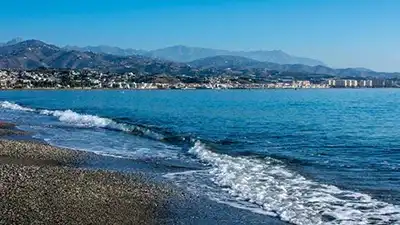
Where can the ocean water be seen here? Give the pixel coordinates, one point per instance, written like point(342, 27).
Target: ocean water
point(305, 157)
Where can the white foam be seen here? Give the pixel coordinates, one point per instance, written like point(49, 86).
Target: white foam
point(140, 153)
point(70, 117)
point(85, 120)
point(288, 195)
point(82, 120)
point(13, 106)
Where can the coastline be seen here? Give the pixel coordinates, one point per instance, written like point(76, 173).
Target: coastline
point(43, 184)
point(189, 89)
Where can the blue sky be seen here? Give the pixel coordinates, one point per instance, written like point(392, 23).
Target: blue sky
point(342, 33)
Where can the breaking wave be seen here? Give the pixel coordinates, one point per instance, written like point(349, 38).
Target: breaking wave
point(83, 120)
point(87, 121)
point(9, 105)
point(290, 196)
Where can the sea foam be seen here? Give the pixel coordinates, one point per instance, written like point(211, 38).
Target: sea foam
point(83, 120)
point(281, 192)
point(13, 106)
point(86, 120)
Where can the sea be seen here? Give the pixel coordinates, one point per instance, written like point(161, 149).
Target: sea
point(316, 156)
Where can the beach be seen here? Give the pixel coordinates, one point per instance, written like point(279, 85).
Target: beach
point(41, 184)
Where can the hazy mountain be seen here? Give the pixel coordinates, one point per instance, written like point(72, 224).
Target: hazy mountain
point(226, 61)
point(12, 42)
point(182, 53)
point(361, 69)
point(278, 56)
point(107, 50)
point(239, 62)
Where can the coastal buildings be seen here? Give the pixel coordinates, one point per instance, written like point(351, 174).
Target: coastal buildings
point(364, 83)
point(91, 79)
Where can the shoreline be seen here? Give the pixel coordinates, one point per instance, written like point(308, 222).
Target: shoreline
point(44, 184)
point(195, 89)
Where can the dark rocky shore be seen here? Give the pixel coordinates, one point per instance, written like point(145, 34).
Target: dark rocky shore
point(41, 184)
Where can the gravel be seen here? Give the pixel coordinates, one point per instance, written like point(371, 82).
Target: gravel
point(42, 184)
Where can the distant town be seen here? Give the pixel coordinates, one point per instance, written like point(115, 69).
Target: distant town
point(92, 79)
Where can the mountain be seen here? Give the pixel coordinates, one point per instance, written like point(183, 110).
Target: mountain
point(107, 50)
point(278, 56)
point(12, 42)
point(27, 54)
point(225, 62)
point(32, 54)
point(361, 69)
point(240, 63)
point(182, 53)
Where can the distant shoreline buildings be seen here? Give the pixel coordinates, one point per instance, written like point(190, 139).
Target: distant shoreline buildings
point(368, 83)
point(91, 79)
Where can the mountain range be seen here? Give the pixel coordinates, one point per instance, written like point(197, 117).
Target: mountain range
point(32, 54)
point(12, 42)
point(239, 63)
point(105, 49)
point(180, 53)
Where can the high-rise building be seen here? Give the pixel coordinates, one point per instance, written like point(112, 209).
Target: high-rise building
point(377, 83)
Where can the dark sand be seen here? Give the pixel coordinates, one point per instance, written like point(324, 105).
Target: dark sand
point(8, 129)
point(41, 185)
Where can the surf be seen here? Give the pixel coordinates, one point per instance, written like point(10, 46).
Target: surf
point(283, 193)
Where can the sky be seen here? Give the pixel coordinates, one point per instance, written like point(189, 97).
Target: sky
point(341, 33)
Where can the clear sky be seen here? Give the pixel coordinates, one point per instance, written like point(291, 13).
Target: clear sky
point(342, 33)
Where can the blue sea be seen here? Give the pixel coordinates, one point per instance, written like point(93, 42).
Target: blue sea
point(305, 157)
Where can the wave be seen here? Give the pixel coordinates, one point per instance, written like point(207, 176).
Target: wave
point(118, 124)
point(83, 120)
point(87, 121)
point(13, 106)
point(290, 196)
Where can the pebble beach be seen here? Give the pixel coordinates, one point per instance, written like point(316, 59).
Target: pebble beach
point(42, 184)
